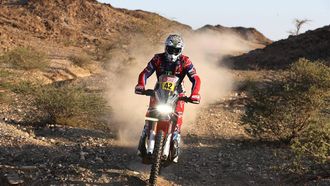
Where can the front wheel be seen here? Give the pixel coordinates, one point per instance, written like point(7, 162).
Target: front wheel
point(155, 168)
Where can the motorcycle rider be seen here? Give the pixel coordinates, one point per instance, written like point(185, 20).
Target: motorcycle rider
point(171, 62)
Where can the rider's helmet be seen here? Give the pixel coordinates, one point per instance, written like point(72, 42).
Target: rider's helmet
point(173, 47)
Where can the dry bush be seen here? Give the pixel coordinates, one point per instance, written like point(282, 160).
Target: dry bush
point(103, 51)
point(284, 108)
point(23, 87)
point(5, 86)
point(71, 106)
point(65, 104)
point(294, 109)
point(314, 145)
point(25, 58)
point(82, 60)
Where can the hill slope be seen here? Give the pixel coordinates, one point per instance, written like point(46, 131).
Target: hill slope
point(280, 54)
point(87, 24)
point(250, 34)
point(81, 23)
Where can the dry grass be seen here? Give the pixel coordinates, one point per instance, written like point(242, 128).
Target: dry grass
point(82, 60)
point(25, 58)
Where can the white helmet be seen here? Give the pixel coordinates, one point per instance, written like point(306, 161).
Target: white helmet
point(173, 47)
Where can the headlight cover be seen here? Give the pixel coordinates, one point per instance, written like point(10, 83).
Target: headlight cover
point(164, 109)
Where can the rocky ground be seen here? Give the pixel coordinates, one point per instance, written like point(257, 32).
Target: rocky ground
point(215, 148)
point(215, 151)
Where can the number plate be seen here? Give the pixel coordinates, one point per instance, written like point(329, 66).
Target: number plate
point(168, 86)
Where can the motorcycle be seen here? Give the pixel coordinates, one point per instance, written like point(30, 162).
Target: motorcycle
point(157, 146)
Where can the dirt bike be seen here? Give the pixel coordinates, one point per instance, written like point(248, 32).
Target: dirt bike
point(158, 146)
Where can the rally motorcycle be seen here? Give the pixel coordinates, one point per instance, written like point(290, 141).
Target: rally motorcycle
point(157, 146)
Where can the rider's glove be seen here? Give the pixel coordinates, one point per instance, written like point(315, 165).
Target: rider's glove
point(139, 89)
point(196, 98)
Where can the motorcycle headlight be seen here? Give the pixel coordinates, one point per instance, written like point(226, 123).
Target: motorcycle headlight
point(164, 109)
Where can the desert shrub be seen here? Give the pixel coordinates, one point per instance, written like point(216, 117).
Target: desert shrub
point(285, 107)
point(80, 60)
point(4, 73)
point(4, 96)
point(68, 42)
point(103, 51)
point(247, 85)
point(23, 87)
point(314, 142)
point(71, 105)
point(5, 86)
point(295, 109)
point(25, 58)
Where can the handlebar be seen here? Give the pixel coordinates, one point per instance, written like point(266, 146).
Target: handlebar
point(187, 100)
point(148, 92)
point(151, 92)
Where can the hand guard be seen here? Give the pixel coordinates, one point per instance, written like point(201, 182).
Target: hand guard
point(139, 89)
point(195, 98)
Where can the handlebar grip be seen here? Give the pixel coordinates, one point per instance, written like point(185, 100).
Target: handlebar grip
point(187, 99)
point(194, 102)
point(149, 92)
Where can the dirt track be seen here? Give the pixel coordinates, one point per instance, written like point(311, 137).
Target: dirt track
point(215, 152)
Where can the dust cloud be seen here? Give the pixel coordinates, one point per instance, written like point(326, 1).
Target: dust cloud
point(205, 51)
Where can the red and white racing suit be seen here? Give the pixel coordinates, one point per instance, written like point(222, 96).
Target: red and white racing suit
point(180, 68)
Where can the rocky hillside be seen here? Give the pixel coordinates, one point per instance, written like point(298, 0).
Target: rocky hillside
point(77, 23)
point(250, 34)
point(58, 24)
point(280, 54)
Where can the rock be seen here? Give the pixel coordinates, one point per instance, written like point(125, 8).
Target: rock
point(196, 165)
point(28, 167)
point(82, 155)
point(99, 160)
point(250, 169)
point(42, 166)
point(104, 178)
point(212, 173)
point(252, 182)
point(135, 172)
point(14, 179)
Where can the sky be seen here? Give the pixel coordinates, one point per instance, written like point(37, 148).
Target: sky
point(273, 18)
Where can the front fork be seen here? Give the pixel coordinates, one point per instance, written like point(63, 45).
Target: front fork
point(147, 140)
point(152, 135)
point(167, 142)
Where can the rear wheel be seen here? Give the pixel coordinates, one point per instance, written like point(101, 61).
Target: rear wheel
point(155, 168)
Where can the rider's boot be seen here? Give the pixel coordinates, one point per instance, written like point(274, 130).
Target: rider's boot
point(176, 148)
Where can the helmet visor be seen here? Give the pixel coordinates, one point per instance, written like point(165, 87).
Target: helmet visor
point(172, 50)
